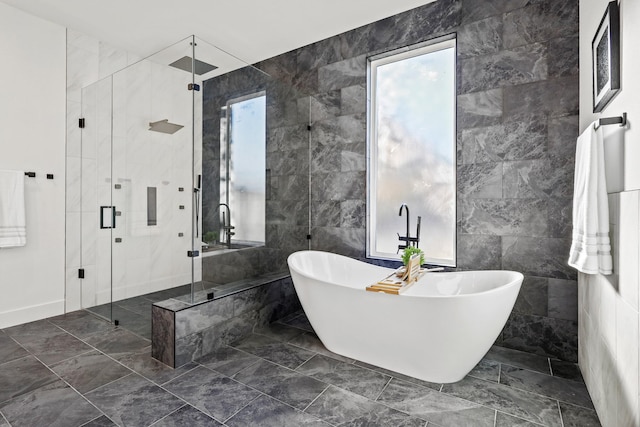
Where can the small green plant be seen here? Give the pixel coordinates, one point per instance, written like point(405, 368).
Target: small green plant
point(408, 252)
point(210, 237)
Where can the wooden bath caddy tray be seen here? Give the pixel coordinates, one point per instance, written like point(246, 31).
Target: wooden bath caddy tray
point(396, 285)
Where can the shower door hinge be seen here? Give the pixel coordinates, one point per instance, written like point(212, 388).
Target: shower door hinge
point(308, 236)
point(193, 254)
point(81, 273)
point(81, 123)
point(309, 128)
point(194, 86)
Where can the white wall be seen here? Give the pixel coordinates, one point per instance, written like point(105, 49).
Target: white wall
point(608, 305)
point(32, 138)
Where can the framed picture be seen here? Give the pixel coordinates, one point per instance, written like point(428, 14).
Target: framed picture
point(605, 51)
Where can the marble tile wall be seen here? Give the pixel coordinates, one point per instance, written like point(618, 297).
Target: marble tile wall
point(517, 123)
point(182, 333)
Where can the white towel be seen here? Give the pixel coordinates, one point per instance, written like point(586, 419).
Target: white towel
point(590, 247)
point(13, 225)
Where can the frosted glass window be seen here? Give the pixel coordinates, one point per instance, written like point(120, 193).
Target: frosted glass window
point(412, 150)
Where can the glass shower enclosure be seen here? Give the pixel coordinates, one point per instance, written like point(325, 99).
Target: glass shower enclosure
point(141, 179)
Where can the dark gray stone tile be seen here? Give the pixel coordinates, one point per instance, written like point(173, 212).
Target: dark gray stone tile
point(133, 400)
point(137, 323)
point(560, 216)
point(428, 20)
point(356, 379)
point(539, 22)
point(203, 316)
point(480, 181)
point(353, 99)
point(265, 411)
point(486, 369)
point(517, 138)
point(556, 338)
point(32, 331)
point(480, 37)
point(546, 385)
point(512, 217)
point(575, 416)
point(311, 342)
point(341, 186)
point(349, 72)
point(537, 256)
point(90, 370)
point(353, 157)
point(435, 407)
point(139, 305)
point(538, 179)
point(353, 213)
point(479, 109)
point(478, 252)
point(118, 341)
point(163, 343)
point(405, 378)
point(9, 349)
point(81, 323)
point(504, 420)
point(479, 9)
point(341, 407)
point(563, 299)
point(556, 97)
point(341, 131)
point(283, 384)
point(101, 421)
point(563, 132)
point(55, 404)
point(279, 331)
point(325, 213)
point(211, 392)
point(142, 363)
point(345, 241)
point(187, 416)
point(55, 347)
point(188, 348)
point(286, 138)
point(519, 359)
point(563, 56)
point(533, 296)
point(228, 361)
point(566, 370)
point(21, 376)
point(522, 404)
point(508, 67)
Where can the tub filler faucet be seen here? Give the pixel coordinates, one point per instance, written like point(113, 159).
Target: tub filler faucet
point(407, 239)
point(227, 228)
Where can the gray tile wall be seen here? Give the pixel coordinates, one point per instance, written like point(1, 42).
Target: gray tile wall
point(517, 124)
point(183, 333)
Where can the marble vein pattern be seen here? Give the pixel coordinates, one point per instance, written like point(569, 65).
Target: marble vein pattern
point(234, 387)
point(212, 393)
point(273, 350)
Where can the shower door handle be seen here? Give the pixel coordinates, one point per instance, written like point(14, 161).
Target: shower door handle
point(107, 217)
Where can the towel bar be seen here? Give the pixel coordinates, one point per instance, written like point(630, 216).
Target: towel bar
point(621, 120)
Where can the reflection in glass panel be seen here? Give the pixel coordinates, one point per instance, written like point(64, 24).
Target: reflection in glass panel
point(412, 146)
point(242, 177)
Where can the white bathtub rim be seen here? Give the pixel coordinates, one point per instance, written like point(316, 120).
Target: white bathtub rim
point(516, 280)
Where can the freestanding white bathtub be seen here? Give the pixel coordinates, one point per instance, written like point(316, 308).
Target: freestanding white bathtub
point(437, 331)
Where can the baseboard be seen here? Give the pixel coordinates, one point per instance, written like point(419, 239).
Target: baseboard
point(31, 313)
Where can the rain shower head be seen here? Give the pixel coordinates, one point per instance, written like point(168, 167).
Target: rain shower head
point(184, 64)
point(164, 126)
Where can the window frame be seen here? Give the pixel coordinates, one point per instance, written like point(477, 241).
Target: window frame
point(440, 43)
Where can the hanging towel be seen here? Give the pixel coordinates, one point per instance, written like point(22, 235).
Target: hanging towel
point(13, 229)
point(590, 247)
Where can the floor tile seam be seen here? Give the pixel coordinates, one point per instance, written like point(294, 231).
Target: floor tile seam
point(276, 363)
point(383, 389)
point(74, 389)
point(316, 398)
point(471, 401)
point(110, 382)
point(540, 394)
point(524, 368)
point(242, 407)
point(560, 413)
point(401, 379)
point(197, 365)
point(2, 417)
point(517, 417)
point(19, 358)
point(172, 412)
point(71, 357)
point(94, 419)
point(550, 367)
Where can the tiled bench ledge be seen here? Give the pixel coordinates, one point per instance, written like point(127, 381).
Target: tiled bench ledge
point(182, 332)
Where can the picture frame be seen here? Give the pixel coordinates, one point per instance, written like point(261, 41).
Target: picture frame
point(605, 54)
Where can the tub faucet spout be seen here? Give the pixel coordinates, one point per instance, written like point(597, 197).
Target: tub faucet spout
point(407, 239)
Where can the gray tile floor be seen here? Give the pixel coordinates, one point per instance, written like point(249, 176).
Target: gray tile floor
point(78, 370)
